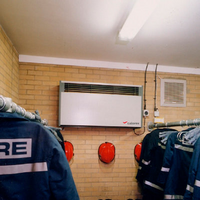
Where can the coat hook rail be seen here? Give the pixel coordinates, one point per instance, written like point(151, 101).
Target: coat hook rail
point(189, 122)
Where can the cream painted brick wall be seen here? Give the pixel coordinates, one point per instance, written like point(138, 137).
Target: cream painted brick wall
point(95, 179)
point(39, 89)
point(9, 68)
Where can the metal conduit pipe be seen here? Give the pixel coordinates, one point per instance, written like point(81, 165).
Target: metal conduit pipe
point(189, 122)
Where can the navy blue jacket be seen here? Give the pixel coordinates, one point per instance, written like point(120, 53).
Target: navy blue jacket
point(33, 165)
point(150, 164)
point(193, 184)
point(175, 168)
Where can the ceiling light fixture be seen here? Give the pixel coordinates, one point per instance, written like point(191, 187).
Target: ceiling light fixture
point(137, 18)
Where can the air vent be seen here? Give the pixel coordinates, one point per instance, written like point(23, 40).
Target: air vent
point(101, 89)
point(173, 92)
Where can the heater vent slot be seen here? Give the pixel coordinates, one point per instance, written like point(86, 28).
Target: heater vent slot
point(101, 89)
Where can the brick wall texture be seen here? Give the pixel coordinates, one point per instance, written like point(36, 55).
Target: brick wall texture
point(9, 67)
point(39, 90)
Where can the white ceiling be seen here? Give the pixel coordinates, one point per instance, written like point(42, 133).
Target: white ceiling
point(88, 29)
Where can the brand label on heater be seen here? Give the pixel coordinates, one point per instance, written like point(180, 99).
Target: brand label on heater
point(130, 123)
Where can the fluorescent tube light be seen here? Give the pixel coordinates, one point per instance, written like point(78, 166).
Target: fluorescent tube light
point(137, 18)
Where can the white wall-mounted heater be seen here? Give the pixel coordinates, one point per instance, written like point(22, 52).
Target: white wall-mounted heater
point(100, 105)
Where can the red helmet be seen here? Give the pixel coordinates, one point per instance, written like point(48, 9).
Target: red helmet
point(69, 150)
point(106, 152)
point(137, 151)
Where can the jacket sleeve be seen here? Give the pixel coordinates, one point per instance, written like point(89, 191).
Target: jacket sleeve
point(194, 168)
point(167, 160)
point(144, 159)
point(60, 177)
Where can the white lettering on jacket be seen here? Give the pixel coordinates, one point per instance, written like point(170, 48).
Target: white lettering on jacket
point(15, 148)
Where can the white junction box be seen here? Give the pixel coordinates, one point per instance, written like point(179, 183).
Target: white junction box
point(158, 120)
point(100, 105)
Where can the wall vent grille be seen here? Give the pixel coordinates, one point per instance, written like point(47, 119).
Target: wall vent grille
point(173, 92)
point(101, 89)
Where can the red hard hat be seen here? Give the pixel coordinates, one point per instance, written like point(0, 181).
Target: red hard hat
point(69, 150)
point(106, 152)
point(137, 151)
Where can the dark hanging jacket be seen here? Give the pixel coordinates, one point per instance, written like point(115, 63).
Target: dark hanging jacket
point(175, 168)
point(193, 185)
point(150, 164)
point(32, 163)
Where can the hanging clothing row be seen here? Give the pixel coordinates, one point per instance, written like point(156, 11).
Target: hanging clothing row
point(169, 166)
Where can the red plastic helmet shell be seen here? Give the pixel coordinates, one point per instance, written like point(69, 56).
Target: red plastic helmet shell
point(137, 151)
point(106, 152)
point(69, 150)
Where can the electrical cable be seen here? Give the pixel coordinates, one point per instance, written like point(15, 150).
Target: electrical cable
point(155, 108)
point(143, 128)
point(145, 81)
